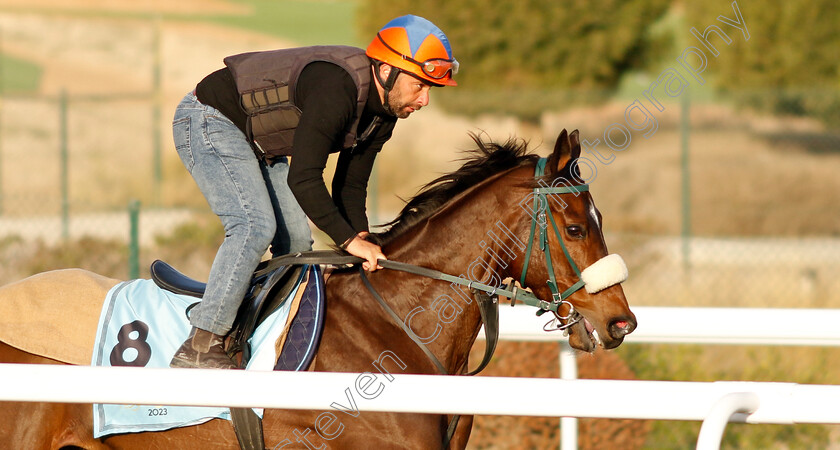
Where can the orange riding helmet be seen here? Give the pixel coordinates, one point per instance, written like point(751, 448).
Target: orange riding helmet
point(415, 45)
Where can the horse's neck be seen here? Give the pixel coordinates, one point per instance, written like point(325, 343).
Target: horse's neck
point(459, 241)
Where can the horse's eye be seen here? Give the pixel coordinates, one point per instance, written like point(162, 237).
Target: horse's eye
point(575, 231)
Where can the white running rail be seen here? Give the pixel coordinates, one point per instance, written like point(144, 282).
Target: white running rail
point(688, 325)
point(779, 403)
point(715, 403)
point(684, 325)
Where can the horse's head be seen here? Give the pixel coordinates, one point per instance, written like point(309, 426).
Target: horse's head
point(498, 187)
point(575, 269)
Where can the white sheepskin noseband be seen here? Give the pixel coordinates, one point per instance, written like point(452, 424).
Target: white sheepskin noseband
point(607, 271)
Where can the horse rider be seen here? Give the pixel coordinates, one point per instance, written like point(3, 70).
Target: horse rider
point(255, 135)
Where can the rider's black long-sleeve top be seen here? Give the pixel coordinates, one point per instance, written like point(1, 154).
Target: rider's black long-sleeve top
point(326, 96)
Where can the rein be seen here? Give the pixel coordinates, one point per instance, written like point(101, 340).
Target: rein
point(331, 257)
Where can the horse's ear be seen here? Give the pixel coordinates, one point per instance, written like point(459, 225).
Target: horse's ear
point(574, 139)
point(566, 150)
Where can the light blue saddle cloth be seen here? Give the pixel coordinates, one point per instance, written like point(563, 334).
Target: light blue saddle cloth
point(142, 325)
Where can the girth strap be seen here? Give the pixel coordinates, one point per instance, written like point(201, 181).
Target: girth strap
point(248, 427)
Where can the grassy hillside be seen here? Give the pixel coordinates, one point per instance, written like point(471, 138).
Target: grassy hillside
point(304, 22)
point(18, 76)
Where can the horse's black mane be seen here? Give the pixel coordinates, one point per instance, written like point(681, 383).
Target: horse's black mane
point(487, 159)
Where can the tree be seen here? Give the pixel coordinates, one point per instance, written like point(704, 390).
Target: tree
point(789, 65)
point(530, 46)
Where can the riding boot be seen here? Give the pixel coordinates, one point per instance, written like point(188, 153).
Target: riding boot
point(204, 350)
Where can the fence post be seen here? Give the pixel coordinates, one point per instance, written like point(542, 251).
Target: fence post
point(133, 241)
point(685, 125)
point(568, 371)
point(64, 177)
point(2, 93)
point(157, 93)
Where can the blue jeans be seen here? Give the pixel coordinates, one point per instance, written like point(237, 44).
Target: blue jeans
point(252, 199)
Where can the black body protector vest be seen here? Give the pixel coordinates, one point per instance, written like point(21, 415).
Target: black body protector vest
point(266, 83)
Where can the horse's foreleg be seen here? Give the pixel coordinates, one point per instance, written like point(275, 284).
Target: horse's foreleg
point(462, 433)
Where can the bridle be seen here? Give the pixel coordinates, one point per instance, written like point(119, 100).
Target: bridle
point(540, 211)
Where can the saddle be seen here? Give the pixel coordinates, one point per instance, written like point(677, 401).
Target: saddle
point(269, 287)
point(267, 290)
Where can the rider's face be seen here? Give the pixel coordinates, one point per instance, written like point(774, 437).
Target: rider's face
point(408, 95)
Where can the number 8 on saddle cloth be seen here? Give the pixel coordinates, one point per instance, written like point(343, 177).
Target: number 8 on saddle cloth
point(142, 325)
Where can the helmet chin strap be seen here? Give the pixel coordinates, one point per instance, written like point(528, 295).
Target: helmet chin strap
point(387, 84)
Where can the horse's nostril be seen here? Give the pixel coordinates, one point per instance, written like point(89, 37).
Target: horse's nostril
point(621, 328)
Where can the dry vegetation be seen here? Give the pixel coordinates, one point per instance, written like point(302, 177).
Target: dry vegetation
point(750, 176)
point(539, 359)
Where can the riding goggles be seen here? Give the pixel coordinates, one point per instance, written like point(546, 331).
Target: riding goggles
point(435, 68)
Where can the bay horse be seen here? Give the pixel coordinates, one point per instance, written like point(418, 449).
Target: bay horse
point(474, 221)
